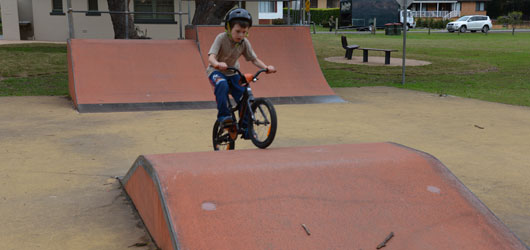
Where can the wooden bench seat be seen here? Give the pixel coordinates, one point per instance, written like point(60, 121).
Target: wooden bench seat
point(387, 53)
point(349, 48)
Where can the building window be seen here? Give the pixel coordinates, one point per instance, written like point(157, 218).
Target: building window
point(480, 6)
point(154, 6)
point(267, 7)
point(57, 7)
point(93, 8)
point(313, 4)
point(332, 3)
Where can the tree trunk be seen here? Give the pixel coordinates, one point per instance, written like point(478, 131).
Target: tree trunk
point(118, 20)
point(211, 12)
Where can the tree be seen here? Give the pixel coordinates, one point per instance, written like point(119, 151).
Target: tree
point(497, 8)
point(206, 12)
point(513, 19)
point(118, 20)
point(211, 12)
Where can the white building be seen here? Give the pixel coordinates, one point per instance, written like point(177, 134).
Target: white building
point(46, 20)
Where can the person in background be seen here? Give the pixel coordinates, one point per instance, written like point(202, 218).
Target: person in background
point(331, 22)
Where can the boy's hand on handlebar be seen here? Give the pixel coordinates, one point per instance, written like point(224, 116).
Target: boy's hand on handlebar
point(221, 66)
point(270, 69)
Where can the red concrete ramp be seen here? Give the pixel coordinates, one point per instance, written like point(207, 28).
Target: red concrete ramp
point(322, 197)
point(290, 49)
point(121, 75)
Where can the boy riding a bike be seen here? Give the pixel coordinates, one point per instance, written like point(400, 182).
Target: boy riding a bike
point(224, 53)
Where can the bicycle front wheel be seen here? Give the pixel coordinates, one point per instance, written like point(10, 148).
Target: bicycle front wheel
point(264, 126)
point(221, 138)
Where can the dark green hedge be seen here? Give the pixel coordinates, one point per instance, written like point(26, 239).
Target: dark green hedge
point(433, 23)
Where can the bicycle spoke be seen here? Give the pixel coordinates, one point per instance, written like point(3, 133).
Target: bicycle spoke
point(262, 128)
point(263, 114)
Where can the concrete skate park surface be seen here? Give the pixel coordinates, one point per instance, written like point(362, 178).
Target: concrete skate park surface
point(57, 189)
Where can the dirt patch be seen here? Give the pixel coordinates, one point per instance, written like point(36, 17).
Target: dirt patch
point(376, 61)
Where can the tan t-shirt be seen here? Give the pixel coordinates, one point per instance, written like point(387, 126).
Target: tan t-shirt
point(228, 51)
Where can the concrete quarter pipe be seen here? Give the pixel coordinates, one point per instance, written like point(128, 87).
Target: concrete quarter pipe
point(128, 75)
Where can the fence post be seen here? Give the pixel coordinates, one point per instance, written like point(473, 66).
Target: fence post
point(374, 26)
point(70, 17)
point(126, 4)
point(289, 13)
point(180, 20)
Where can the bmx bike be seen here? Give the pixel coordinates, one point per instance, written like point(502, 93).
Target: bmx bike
point(259, 113)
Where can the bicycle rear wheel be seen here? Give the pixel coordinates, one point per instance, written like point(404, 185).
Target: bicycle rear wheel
point(221, 138)
point(263, 128)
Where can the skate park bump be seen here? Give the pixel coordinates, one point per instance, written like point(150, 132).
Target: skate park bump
point(349, 196)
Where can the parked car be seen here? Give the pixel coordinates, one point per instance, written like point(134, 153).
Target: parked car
point(471, 23)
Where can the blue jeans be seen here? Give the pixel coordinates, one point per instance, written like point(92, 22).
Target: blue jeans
point(222, 85)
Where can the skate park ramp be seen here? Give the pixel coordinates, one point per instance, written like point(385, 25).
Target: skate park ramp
point(123, 75)
point(353, 196)
point(290, 49)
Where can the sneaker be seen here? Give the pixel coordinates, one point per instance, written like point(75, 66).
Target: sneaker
point(248, 135)
point(225, 121)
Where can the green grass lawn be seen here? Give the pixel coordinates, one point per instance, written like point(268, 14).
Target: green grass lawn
point(493, 67)
point(33, 69)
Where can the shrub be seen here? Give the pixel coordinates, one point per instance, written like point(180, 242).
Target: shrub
point(419, 22)
point(278, 21)
point(433, 23)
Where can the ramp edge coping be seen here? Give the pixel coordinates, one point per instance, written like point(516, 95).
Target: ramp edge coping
point(157, 106)
point(74, 85)
point(463, 190)
point(143, 162)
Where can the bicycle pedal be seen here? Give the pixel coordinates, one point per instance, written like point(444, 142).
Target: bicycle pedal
point(232, 132)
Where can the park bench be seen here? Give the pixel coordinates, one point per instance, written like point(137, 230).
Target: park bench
point(349, 48)
point(387, 54)
point(349, 51)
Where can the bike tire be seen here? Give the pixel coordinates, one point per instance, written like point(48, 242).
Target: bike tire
point(263, 128)
point(221, 139)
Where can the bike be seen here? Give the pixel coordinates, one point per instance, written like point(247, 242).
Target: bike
point(259, 112)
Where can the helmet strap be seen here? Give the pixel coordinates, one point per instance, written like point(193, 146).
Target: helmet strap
point(229, 30)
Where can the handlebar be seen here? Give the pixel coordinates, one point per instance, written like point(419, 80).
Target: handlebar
point(254, 78)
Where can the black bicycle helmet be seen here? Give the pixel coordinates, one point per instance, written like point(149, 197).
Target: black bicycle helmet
point(237, 14)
